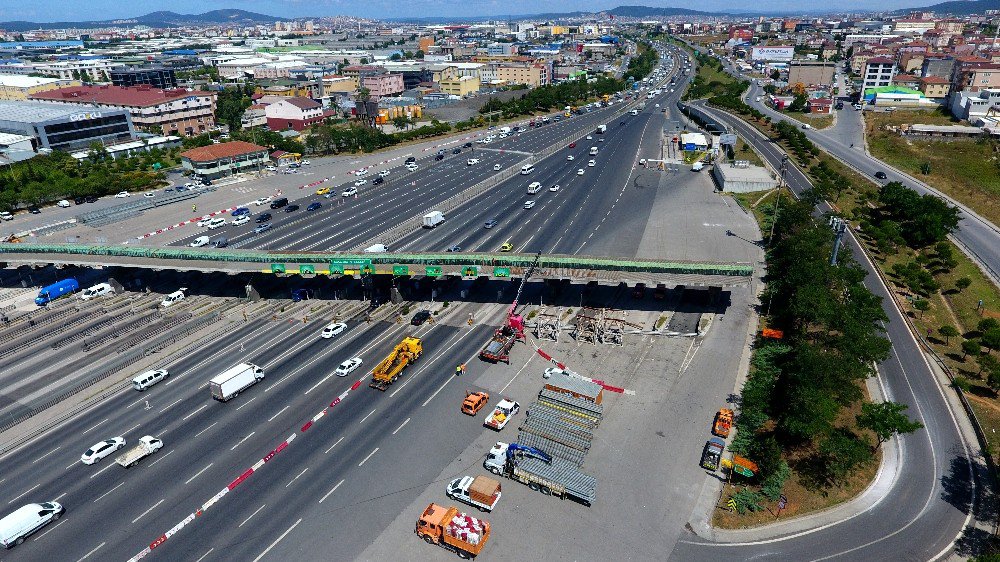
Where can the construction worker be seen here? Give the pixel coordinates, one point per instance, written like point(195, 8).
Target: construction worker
point(194, 208)
point(458, 370)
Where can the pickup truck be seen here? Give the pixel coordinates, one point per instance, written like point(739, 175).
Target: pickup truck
point(147, 446)
point(500, 415)
point(481, 492)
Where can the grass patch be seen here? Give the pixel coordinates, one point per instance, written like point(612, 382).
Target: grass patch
point(820, 123)
point(743, 151)
point(968, 170)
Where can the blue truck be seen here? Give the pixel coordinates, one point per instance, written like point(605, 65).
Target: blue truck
point(56, 290)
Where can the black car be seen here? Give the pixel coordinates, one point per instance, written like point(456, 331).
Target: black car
point(456, 150)
point(79, 200)
point(90, 199)
point(314, 205)
point(34, 210)
point(410, 159)
point(467, 145)
point(439, 156)
point(378, 180)
point(263, 217)
point(880, 175)
point(420, 317)
point(279, 203)
point(291, 208)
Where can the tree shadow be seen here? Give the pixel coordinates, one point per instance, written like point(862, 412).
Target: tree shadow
point(957, 491)
point(955, 484)
point(982, 391)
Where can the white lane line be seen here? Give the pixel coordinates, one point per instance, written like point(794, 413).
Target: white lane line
point(94, 475)
point(204, 430)
point(47, 454)
point(93, 427)
point(334, 445)
point(297, 477)
point(172, 404)
point(147, 511)
point(67, 468)
point(315, 386)
point(203, 556)
point(368, 457)
point(366, 417)
point(185, 418)
point(251, 516)
point(86, 556)
point(162, 457)
point(60, 496)
point(242, 440)
point(331, 491)
point(270, 419)
point(199, 473)
point(276, 541)
point(24, 494)
point(134, 403)
point(401, 426)
point(245, 403)
point(120, 484)
point(516, 374)
point(50, 530)
point(129, 430)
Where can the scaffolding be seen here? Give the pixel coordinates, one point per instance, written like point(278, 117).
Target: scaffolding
point(603, 325)
point(548, 325)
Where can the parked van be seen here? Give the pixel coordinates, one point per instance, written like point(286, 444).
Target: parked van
point(148, 379)
point(173, 297)
point(15, 527)
point(98, 290)
point(56, 290)
point(376, 249)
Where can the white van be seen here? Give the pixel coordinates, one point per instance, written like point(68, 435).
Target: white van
point(15, 527)
point(534, 188)
point(593, 151)
point(98, 290)
point(376, 249)
point(527, 169)
point(173, 297)
point(217, 222)
point(148, 379)
point(200, 241)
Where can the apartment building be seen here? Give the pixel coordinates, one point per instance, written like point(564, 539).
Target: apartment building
point(878, 73)
point(533, 75)
point(381, 85)
point(98, 70)
point(157, 77)
point(460, 86)
point(974, 74)
point(293, 113)
point(19, 87)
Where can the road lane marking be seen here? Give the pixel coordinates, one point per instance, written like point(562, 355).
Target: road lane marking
point(245, 403)
point(127, 431)
point(331, 491)
point(368, 457)
point(46, 454)
point(172, 404)
point(517, 373)
point(366, 417)
point(185, 418)
point(242, 440)
point(120, 484)
point(93, 427)
point(147, 511)
point(251, 516)
point(85, 556)
point(162, 457)
point(53, 528)
point(334, 445)
point(204, 430)
point(297, 477)
point(276, 541)
point(315, 386)
point(60, 496)
point(401, 426)
point(270, 419)
point(94, 475)
point(24, 494)
point(203, 556)
point(199, 473)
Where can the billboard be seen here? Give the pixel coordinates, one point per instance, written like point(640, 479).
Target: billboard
point(772, 53)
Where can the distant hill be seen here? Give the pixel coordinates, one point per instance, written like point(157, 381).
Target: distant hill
point(155, 19)
point(646, 12)
point(959, 7)
point(620, 11)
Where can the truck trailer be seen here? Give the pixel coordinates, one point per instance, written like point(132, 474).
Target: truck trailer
point(433, 219)
point(540, 472)
point(451, 529)
point(56, 290)
point(234, 380)
point(498, 348)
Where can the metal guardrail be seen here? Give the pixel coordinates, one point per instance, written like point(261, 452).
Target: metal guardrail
point(108, 215)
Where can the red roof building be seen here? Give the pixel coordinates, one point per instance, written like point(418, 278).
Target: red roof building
point(224, 159)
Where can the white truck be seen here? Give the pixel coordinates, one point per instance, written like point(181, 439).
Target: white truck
point(234, 380)
point(500, 415)
point(482, 492)
point(147, 446)
point(433, 219)
point(601, 129)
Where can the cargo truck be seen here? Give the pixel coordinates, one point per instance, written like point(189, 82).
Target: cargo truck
point(498, 348)
point(386, 372)
point(234, 380)
point(147, 446)
point(540, 472)
point(481, 492)
point(500, 415)
point(56, 290)
point(458, 532)
point(601, 129)
point(433, 219)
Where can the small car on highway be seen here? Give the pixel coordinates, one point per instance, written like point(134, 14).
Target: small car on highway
point(497, 167)
point(474, 401)
point(122, 195)
point(711, 456)
point(349, 192)
point(579, 172)
point(263, 217)
point(149, 195)
point(241, 220)
point(570, 158)
point(102, 449)
point(412, 166)
point(534, 187)
point(314, 206)
point(490, 223)
point(472, 161)
point(506, 247)
point(383, 173)
point(456, 150)
point(200, 241)
point(262, 201)
point(360, 183)
point(554, 188)
point(148, 379)
point(240, 212)
point(590, 137)
point(291, 208)
point(378, 180)
point(880, 175)
point(420, 317)
point(529, 204)
point(572, 145)
point(592, 163)
point(332, 330)
point(348, 366)
point(454, 248)
point(264, 227)
point(323, 191)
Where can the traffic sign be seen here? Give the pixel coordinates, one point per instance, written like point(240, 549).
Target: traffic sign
point(277, 268)
point(336, 269)
point(501, 272)
point(350, 262)
point(400, 270)
point(432, 271)
point(307, 269)
point(782, 502)
point(731, 504)
point(744, 466)
point(470, 271)
point(367, 270)
point(728, 138)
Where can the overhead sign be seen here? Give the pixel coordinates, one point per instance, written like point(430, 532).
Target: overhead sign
point(772, 53)
point(432, 271)
point(307, 269)
point(470, 271)
point(501, 272)
point(400, 270)
point(336, 269)
point(277, 268)
point(728, 138)
point(350, 263)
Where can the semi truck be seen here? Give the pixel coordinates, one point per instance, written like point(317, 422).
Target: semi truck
point(498, 348)
point(386, 372)
point(540, 472)
point(481, 492)
point(147, 446)
point(433, 219)
point(453, 530)
point(234, 380)
point(56, 290)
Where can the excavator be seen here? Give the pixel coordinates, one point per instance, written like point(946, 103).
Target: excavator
point(386, 372)
point(499, 346)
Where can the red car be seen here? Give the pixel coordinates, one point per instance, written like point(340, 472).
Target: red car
point(572, 145)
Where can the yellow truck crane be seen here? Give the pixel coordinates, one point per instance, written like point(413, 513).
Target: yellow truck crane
point(386, 372)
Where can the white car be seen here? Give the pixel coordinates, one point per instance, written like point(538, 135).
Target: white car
point(350, 191)
point(6, 215)
point(262, 201)
point(412, 166)
point(472, 161)
point(551, 371)
point(333, 330)
point(306, 162)
point(271, 169)
point(241, 220)
point(204, 221)
point(570, 158)
point(592, 163)
point(63, 203)
point(173, 297)
point(579, 172)
point(590, 137)
point(149, 195)
point(121, 195)
point(529, 204)
point(200, 241)
point(497, 167)
point(348, 366)
point(361, 172)
point(360, 183)
point(383, 173)
point(102, 449)
point(554, 188)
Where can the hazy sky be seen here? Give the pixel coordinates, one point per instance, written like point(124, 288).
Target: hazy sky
point(76, 10)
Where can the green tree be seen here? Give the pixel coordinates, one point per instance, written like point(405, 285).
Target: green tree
point(970, 347)
point(886, 419)
point(842, 452)
point(948, 331)
point(988, 363)
point(987, 324)
point(922, 305)
point(993, 380)
point(991, 339)
point(925, 168)
point(963, 283)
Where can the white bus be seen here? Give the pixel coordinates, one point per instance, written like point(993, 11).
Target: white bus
point(527, 169)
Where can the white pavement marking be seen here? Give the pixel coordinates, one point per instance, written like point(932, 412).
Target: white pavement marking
point(276, 541)
point(60, 496)
point(93, 427)
point(172, 404)
point(331, 491)
point(204, 430)
point(53, 528)
point(366, 417)
point(401, 426)
point(86, 556)
point(242, 440)
point(162, 457)
point(94, 475)
point(120, 484)
point(251, 516)
point(203, 556)
point(517, 373)
point(245, 403)
point(334, 445)
point(368, 457)
point(199, 473)
point(297, 477)
point(24, 494)
point(270, 419)
point(315, 386)
point(46, 454)
point(129, 430)
point(147, 511)
point(185, 418)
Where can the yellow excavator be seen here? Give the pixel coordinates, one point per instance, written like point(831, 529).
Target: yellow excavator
point(386, 372)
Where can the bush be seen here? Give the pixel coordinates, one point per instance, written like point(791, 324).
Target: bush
point(773, 485)
point(747, 500)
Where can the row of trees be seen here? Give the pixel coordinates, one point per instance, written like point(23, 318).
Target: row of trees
point(544, 98)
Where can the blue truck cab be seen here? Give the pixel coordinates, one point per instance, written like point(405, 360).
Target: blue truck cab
point(56, 290)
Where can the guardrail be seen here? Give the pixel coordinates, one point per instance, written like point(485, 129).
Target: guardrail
point(115, 213)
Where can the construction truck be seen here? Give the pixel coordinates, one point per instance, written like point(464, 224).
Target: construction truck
point(446, 526)
point(386, 372)
point(498, 348)
point(541, 472)
point(500, 415)
point(723, 422)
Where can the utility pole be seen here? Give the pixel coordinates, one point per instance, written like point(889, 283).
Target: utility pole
point(777, 203)
point(839, 226)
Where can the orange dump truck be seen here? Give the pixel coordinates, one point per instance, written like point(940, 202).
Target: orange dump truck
point(723, 422)
point(446, 526)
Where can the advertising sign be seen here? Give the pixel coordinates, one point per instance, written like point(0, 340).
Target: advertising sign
point(772, 53)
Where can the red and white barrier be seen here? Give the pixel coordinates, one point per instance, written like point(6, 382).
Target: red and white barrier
point(574, 374)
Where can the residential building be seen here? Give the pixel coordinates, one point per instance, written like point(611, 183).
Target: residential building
point(974, 74)
point(277, 69)
point(460, 86)
point(935, 87)
point(98, 70)
point(939, 66)
point(224, 159)
point(381, 85)
point(878, 73)
point(501, 49)
point(293, 113)
point(811, 73)
point(822, 106)
point(254, 116)
point(57, 126)
point(170, 112)
point(533, 75)
point(239, 68)
point(20, 87)
point(970, 105)
point(906, 81)
point(157, 77)
point(912, 26)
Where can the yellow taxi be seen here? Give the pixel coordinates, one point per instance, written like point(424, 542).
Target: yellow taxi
point(507, 246)
point(323, 191)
